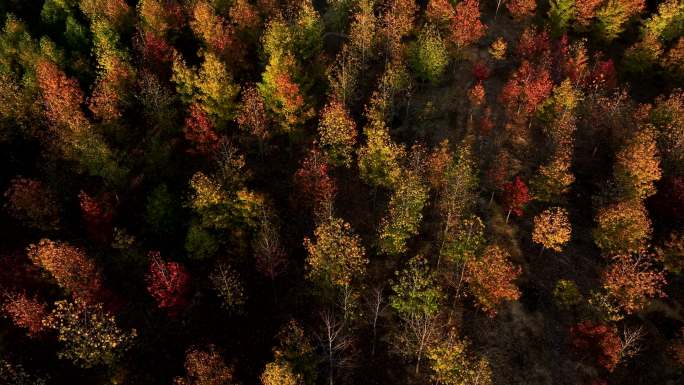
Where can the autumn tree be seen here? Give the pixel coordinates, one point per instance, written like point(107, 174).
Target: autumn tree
point(622, 227)
point(668, 118)
point(314, 183)
point(527, 88)
point(62, 99)
point(337, 133)
point(379, 157)
point(561, 13)
point(91, 336)
point(632, 281)
point(70, 267)
point(490, 279)
point(417, 299)
point(552, 228)
point(25, 312)
point(452, 363)
point(404, 214)
point(612, 16)
point(199, 130)
point(252, 116)
point(600, 341)
point(637, 165)
point(168, 283)
point(466, 27)
point(98, 214)
point(205, 367)
point(428, 55)
point(210, 86)
point(336, 257)
point(279, 373)
point(516, 196)
point(521, 9)
point(33, 203)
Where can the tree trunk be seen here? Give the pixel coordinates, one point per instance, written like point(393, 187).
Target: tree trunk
point(508, 215)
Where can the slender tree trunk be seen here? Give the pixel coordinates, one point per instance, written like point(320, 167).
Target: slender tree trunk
point(508, 215)
point(491, 199)
point(541, 251)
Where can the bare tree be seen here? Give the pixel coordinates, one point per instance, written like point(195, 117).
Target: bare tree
point(376, 304)
point(336, 343)
point(630, 342)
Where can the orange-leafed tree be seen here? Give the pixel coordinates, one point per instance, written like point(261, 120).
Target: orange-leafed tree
point(490, 279)
point(526, 89)
point(552, 229)
point(466, 26)
point(205, 367)
point(521, 9)
point(70, 267)
point(25, 312)
point(337, 133)
point(632, 281)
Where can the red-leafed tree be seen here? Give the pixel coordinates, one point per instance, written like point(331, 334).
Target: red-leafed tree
point(516, 196)
point(32, 203)
point(25, 312)
point(156, 52)
point(526, 90)
point(97, 216)
point(199, 130)
point(481, 71)
point(466, 27)
point(315, 186)
point(70, 267)
point(603, 76)
point(168, 283)
point(534, 45)
point(600, 343)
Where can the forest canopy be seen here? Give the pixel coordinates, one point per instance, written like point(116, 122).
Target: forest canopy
point(305, 192)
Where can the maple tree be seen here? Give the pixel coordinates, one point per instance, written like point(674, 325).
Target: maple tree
point(466, 26)
point(516, 196)
point(490, 279)
point(598, 340)
point(552, 228)
point(526, 89)
point(279, 373)
point(637, 164)
point(199, 130)
point(168, 283)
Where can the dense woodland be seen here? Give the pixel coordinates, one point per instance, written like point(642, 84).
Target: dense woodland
point(300, 192)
